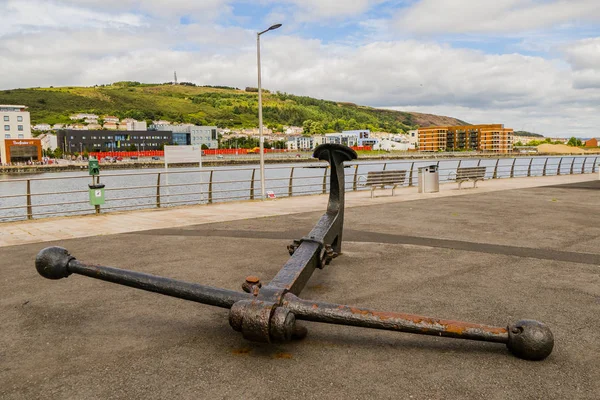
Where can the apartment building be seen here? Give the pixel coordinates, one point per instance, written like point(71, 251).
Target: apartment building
point(189, 134)
point(73, 141)
point(486, 138)
point(17, 144)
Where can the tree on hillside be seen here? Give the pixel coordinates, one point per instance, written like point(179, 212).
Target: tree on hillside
point(574, 142)
point(311, 127)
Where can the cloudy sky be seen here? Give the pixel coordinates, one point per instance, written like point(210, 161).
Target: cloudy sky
point(530, 64)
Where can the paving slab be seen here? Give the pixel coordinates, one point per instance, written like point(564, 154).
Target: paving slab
point(486, 257)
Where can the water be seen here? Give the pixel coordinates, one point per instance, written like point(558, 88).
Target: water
point(67, 192)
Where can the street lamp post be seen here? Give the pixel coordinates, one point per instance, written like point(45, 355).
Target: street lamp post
point(260, 118)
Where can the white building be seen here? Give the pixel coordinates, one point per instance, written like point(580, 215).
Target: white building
point(16, 124)
point(294, 143)
point(206, 135)
point(49, 141)
point(79, 116)
point(391, 145)
point(41, 127)
point(134, 125)
point(413, 138)
point(189, 134)
point(110, 118)
point(293, 130)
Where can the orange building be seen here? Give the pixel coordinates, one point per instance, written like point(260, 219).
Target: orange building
point(21, 150)
point(487, 138)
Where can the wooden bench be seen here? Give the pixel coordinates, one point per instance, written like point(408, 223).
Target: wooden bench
point(465, 174)
point(382, 179)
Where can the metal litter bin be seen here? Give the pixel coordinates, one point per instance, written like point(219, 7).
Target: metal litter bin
point(429, 179)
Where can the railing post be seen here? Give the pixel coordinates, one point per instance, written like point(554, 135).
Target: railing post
point(544, 170)
point(210, 187)
point(583, 165)
point(291, 184)
point(384, 166)
point(252, 184)
point(495, 176)
point(572, 163)
point(479, 162)
point(529, 168)
point(325, 181)
point(594, 165)
point(559, 164)
point(512, 168)
point(158, 190)
point(410, 177)
point(355, 181)
point(29, 208)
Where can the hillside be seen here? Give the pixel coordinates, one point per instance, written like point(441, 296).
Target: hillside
point(525, 133)
point(221, 106)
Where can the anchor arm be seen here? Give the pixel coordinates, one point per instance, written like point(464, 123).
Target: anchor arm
point(527, 339)
point(57, 263)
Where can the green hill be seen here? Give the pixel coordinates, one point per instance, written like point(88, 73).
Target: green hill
point(205, 105)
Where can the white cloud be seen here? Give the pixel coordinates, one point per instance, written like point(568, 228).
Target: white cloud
point(310, 10)
point(548, 95)
point(584, 57)
point(584, 54)
point(198, 9)
point(36, 15)
point(504, 16)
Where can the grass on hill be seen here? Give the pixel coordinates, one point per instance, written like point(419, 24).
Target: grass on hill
point(204, 105)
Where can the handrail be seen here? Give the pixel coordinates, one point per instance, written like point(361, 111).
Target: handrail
point(288, 181)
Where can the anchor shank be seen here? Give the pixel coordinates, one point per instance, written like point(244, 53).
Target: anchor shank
point(175, 288)
point(362, 317)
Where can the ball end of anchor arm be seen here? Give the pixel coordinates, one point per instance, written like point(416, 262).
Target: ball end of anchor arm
point(530, 340)
point(53, 262)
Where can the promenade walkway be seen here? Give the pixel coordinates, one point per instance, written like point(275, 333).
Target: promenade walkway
point(22, 232)
point(510, 250)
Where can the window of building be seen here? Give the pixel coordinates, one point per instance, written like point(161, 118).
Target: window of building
point(7, 135)
point(21, 136)
point(6, 118)
point(20, 127)
point(19, 118)
point(7, 127)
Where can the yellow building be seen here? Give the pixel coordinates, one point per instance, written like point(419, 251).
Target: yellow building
point(486, 138)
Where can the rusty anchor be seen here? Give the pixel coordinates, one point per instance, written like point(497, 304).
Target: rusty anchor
point(269, 313)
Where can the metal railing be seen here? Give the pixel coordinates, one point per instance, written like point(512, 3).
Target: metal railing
point(26, 198)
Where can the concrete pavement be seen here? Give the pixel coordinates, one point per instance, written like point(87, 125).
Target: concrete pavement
point(487, 256)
